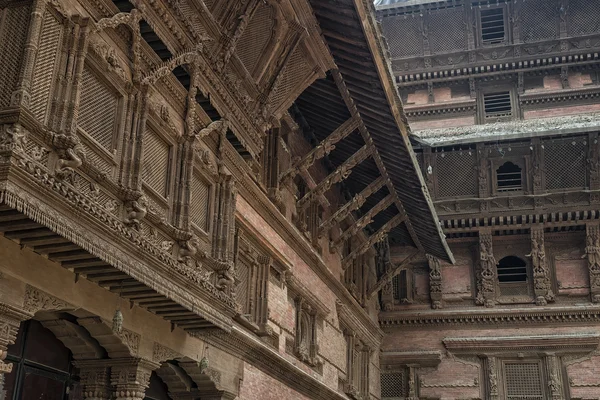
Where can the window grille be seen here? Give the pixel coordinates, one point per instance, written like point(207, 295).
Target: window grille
point(497, 105)
point(542, 20)
point(523, 381)
point(447, 30)
point(15, 22)
point(565, 164)
point(155, 169)
point(256, 37)
point(509, 177)
point(400, 284)
point(583, 17)
point(492, 26)
point(199, 202)
point(404, 36)
point(453, 167)
point(393, 385)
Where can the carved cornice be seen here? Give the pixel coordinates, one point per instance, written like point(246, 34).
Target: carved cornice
point(422, 359)
point(570, 343)
point(515, 316)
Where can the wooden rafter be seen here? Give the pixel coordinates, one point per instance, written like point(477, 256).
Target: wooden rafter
point(365, 219)
point(357, 202)
point(341, 173)
point(389, 275)
point(323, 149)
point(376, 237)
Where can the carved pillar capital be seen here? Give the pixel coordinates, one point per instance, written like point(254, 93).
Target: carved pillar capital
point(95, 379)
point(10, 320)
point(130, 377)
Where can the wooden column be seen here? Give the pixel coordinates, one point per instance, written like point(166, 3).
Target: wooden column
point(486, 286)
point(435, 281)
point(95, 379)
point(592, 250)
point(542, 284)
point(130, 377)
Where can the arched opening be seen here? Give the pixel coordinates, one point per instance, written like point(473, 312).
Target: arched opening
point(157, 389)
point(509, 177)
point(42, 366)
point(513, 276)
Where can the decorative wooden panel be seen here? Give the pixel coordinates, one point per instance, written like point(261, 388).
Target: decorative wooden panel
point(393, 385)
point(523, 381)
point(155, 169)
point(404, 36)
point(12, 39)
point(565, 164)
point(539, 20)
point(242, 289)
point(97, 110)
point(256, 37)
point(456, 174)
point(200, 202)
point(295, 71)
point(45, 67)
point(447, 30)
point(583, 17)
point(192, 15)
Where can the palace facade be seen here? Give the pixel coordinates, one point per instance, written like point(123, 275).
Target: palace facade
point(502, 99)
point(193, 194)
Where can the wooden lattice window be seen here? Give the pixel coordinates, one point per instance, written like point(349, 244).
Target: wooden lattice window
point(509, 177)
point(46, 63)
point(540, 20)
point(393, 385)
point(565, 164)
point(493, 28)
point(155, 170)
point(256, 38)
point(200, 202)
point(14, 22)
point(523, 381)
point(584, 17)
point(97, 110)
point(404, 36)
point(400, 284)
point(456, 173)
point(447, 31)
point(296, 70)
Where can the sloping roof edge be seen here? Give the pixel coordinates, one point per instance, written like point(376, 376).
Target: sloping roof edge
point(428, 229)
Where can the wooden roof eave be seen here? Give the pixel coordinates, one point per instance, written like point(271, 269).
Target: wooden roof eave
point(422, 214)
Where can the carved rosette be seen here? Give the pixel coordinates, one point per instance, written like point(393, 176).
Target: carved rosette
point(486, 286)
point(435, 282)
point(541, 275)
point(592, 250)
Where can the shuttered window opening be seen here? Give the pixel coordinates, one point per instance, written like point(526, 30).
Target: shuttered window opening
point(509, 177)
point(200, 202)
point(155, 170)
point(497, 105)
point(492, 26)
point(523, 381)
point(400, 284)
point(512, 269)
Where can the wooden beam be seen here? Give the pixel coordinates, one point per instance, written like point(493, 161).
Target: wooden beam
point(357, 202)
point(365, 219)
point(323, 149)
point(376, 237)
point(341, 173)
point(389, 275)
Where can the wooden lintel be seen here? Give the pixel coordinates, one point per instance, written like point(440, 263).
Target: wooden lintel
point(357, 202)
point(365, 219)
point(388, 276)
point(323, 149)
point(376, 237)
point(337, 176)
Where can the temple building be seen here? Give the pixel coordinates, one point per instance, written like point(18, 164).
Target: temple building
point(198, 199)
point(502, 97)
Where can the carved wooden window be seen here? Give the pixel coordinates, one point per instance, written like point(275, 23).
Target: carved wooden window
point(452, 167)
point(540, 20)
point(497, 105)
point(14, 23)
point(256, 39)
point(509, 177)
point(305, 340)
point(200, 202)
point(583, 17)
point(403, 287)
point(357, 368)
point(513, 277)
point(404, 35)
point(492, 26)
point(565, 164)
point(157, 160)
point(46, 66)
point(523, 380)
point(394, 385)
